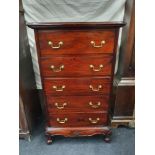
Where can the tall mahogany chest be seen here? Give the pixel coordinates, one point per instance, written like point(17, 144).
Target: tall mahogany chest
point(77, 63)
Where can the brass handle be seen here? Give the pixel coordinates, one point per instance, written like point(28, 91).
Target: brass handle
point(60, 107)
point(97, 46)
point(62, 121)
point(60, 88)
point(55, 47)
point(95, 105)
point(95, 89)
point(96, 70)
point(57, 69)
point(94, 121)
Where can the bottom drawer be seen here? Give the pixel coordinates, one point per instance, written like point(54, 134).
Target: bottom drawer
point(78, 119)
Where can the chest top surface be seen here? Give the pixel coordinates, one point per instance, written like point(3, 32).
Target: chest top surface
point(75, 25)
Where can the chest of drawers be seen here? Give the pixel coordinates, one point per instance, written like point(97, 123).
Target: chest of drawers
point(77, 66)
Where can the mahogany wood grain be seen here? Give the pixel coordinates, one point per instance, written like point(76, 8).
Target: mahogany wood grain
point(77, 66)
point(75, 25)
point(79, 119)
point(76, 42)
point(78, 131)
point(77, 86)
point(77, 103)
point(76, 54)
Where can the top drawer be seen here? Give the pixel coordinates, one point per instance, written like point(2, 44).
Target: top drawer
point(54, 42)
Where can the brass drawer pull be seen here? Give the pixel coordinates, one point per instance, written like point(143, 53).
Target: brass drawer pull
point(62, 121)
point(97, 46)
point(95, 89)
point(55, 47)
point(60, 107)
point(94, 121)
point(60, 88)
point(96, 70)
point(57, 69)
point(95, 105)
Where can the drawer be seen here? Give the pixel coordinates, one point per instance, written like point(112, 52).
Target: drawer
point(78, 119)
point(77, 86)
point(76, 42)
point(60, 104)
point(76, 66)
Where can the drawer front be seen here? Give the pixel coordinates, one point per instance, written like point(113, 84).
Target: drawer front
point(80, 86)
point(78, 119)
point(76, 66)
point(77, 103)
point(76, 42)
